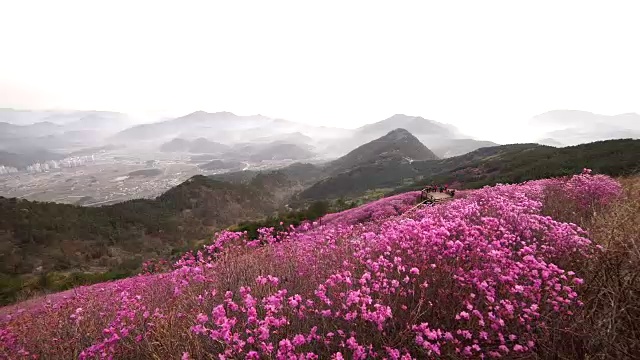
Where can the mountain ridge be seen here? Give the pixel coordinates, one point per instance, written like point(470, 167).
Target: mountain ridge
point(573, 127)
point(397, 145)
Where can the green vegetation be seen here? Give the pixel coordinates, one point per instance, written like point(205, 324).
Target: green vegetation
point(485, 166)
point(41, 241)
point(520, 163)
point(281, 222)
point(97, 243)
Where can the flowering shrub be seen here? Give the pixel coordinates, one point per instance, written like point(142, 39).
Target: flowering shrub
point(480, 276)
point(579, 198)
point(589, 191)
point(155, 266)
point(377, 210)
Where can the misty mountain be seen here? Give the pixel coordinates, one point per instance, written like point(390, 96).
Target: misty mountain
point(58, 130)
point(297, 138)
point(176, 145)
point(68, 131)
point(276, 150)
point(572, 127)
point(270, 151)
point(58, 142)
point(222, 127)
point(77, 129)
point(11, 131)
point(22, 117)
point(69, 120)
point(281, 151)
point(93, 150)
point(204, 146)
point(456, 147)
point(416, 125)
point(445, 140)
point(397, 145)
point(197, 146)
point(28, 157)
point(391, 150)
point(99, 120)
point(304, 174)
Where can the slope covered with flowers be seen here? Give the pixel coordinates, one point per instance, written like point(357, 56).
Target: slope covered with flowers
point(486, 275)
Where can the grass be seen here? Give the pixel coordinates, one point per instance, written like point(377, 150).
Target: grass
point(608, 326)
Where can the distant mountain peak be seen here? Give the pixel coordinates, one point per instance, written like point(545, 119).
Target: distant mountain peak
point(575, 127)
point(402, 116)
point(398, 134)
point(415, 124)
point(398, 144)
point(201, 113)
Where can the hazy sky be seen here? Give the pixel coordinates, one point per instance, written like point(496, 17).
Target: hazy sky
point(484, 66)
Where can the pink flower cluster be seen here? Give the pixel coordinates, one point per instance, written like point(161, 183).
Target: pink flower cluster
point(155, 266)
point(374, 211)
point(480, 276)
point(590, 191)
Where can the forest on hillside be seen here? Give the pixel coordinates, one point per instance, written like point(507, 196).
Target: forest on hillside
point(518, 163)
point(56, 246)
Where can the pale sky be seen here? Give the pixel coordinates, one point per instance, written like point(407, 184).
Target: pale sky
point(485, 66)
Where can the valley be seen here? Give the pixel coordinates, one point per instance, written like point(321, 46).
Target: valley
point(134, 161)
point(77, 215)
point(115, 176)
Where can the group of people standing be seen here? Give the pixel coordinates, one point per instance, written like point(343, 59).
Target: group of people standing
point(436, 188)
point(425, 195)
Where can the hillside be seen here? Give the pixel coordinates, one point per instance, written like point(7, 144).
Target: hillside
point(365, 168)
point(485, 166)
point(38, 238)
point(197, 146)
point(611, 157)
point(291, 138)
point(65, 238)
point(274, 150)
point(550, 142)
point(28, 157)
point(204, 146)
point(176, 145)
point(396, 146)
point(443, 139)
point(8, 131)
point(302, 173)
point(280, 151)
point(447, 280)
